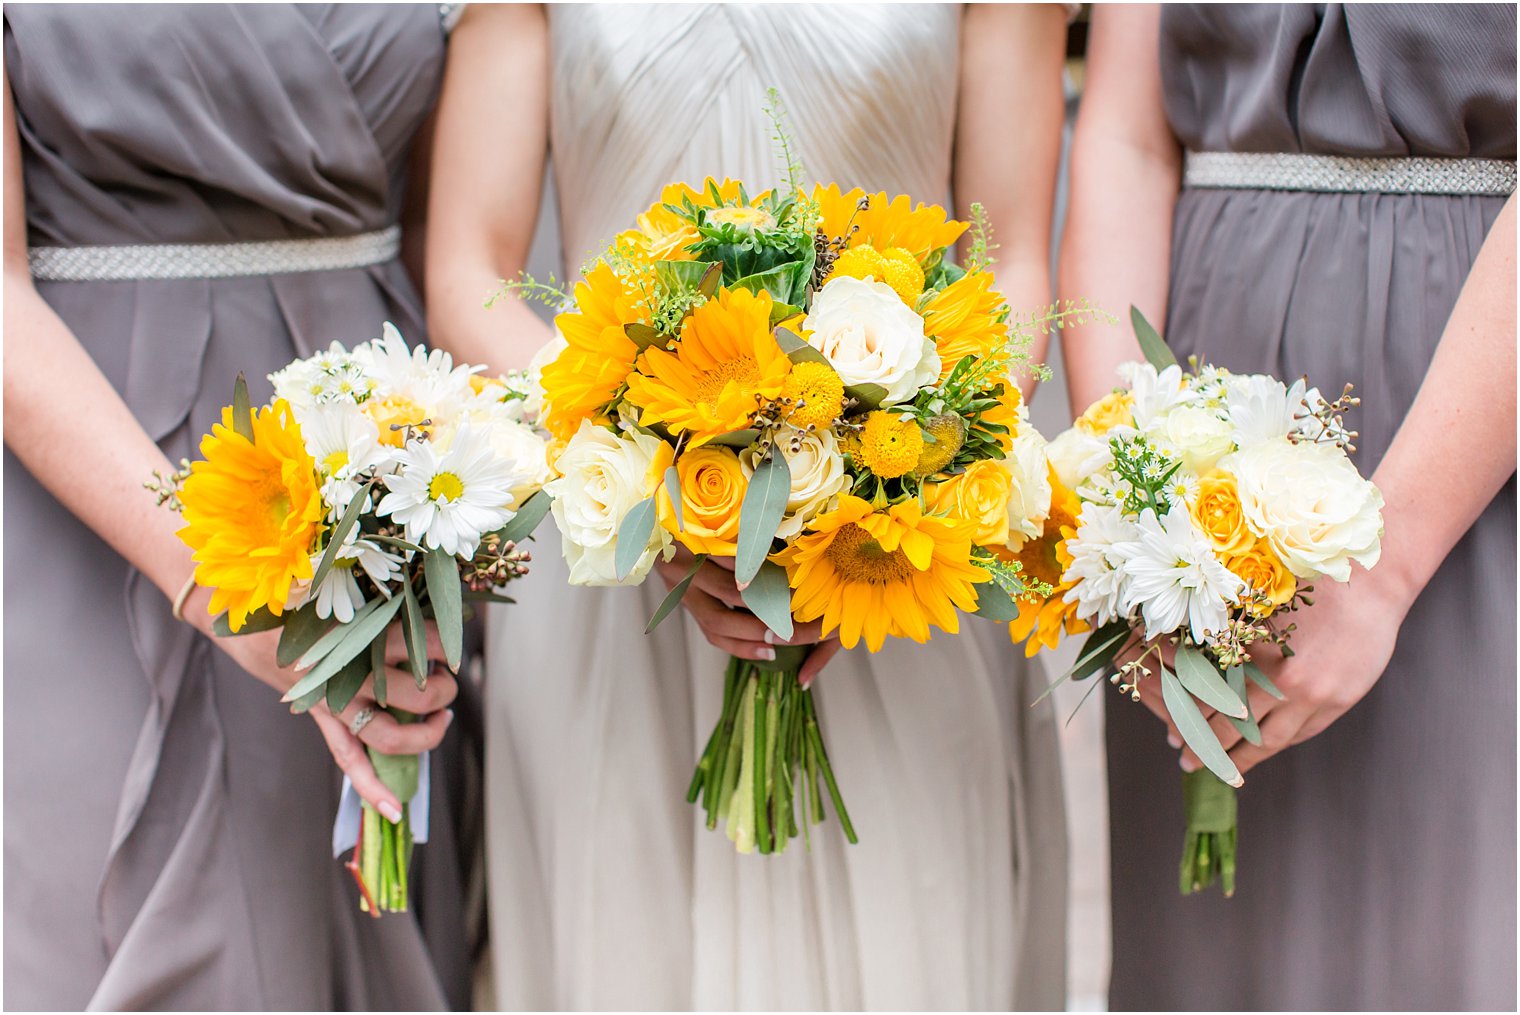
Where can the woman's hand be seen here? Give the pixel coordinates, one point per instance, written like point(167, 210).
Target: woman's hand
point(715, 603)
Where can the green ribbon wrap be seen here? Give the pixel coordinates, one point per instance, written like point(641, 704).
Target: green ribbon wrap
point(1208, 853)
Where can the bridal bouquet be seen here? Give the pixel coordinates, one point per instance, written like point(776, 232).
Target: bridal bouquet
point(382, 484)
point(801, 381)
point(1191, 510)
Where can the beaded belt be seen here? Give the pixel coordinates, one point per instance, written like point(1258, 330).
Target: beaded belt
point(1331, 173)
point(213, 260)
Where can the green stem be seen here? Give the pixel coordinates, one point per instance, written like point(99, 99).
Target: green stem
point(1208, 851)
point(828, 770)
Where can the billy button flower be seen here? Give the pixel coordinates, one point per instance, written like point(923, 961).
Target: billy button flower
point(894, 266)
point(890, 444)
point(816, 394)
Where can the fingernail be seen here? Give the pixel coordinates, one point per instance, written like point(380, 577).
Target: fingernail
point(768, 654)
point(391, 813)
point(770, 636)
point(1188, 764)
point(805, 682)
point(448, 718)
point(1174, 740)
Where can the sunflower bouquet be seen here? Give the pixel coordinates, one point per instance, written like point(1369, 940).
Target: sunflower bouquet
point(382, 484)
point(1190, 511)
point(799, 380)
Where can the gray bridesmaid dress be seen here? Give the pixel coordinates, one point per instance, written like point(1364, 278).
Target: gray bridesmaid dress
point(167, 822)
point(1378, 859)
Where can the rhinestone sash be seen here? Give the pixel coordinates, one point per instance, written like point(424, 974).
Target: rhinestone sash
point(1336, 173)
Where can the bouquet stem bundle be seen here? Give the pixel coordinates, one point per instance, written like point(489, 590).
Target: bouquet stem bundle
point(384, 850)
point(1209, 850)
point(766, 741)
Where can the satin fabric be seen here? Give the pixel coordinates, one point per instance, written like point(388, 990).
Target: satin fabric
point(606, 889)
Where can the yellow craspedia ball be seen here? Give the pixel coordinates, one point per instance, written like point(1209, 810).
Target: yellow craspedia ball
point(890, 444)
point(949, 433)
point(817, 393)
point(859, 262)
point(903, 274)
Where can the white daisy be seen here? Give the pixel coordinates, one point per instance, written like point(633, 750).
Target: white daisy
point(1174, 576)
point(429, 379)
point(345, 444)
point(1097, 564)
point(339, 594)
point(453, 498)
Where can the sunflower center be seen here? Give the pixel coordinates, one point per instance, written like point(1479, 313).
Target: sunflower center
point(335, 461)
point(445, 487)
point(858, 557)
point(743, 371)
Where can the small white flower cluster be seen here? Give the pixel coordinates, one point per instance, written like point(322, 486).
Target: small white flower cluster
point(441, 455)
point(1146, 547)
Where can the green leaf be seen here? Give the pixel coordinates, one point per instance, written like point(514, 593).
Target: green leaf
point(442, 574)
point(414, 632)
point(1204, 682)
point(336, 537)
point(797, 350)
point(400, 773)
point(242, 411)
point(769, 597)
point(485, 596)
point(397, 542)
point(527, 518)
point(760, 514)
point(259, 620)
point(1151, 343)
point(677, 275)
point(633, 537)
point(334, 636)
point(643, 336)
point(782, 311)
point(1099, 649)
point(675, 595)
point(868, 395)
point(780, 282)
point(1236, 678)
point(1264, 682)
point(673, 490)
point(994, 603)
point(355, 638)
point(305, 702)
point(347, 681)
point(736, 438)
point(711, 278)
point(1196, 733)
point(377, 669)
point(302, 630)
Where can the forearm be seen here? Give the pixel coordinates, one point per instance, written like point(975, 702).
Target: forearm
point(1456, 447)
point(503, 336)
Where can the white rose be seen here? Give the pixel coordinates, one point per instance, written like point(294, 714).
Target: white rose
point(1309, 501)
point(533, 405)
point(870, 336)
point(818, 476)
point(1029, 491)
point(1199, 436)
point(602, 476)
point(528, 449)
point(1077, 455)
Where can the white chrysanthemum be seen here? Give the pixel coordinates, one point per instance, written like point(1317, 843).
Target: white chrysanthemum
point(1263, 409)
point(1174, 576)
point(818, 476)
point(345, 444)
point(1155, 394)
point(339, 594)
point(450, 500)
point(1097, 565)
point(429, 379)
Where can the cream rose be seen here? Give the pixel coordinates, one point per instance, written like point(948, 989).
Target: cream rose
point(818, 476)
point(1310, 503)
point(1029, 490)
point(1199, 436)
point(1077, 455)
point(870, 336)
point(602, 476)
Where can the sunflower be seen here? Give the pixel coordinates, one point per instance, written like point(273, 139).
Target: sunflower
point(580, 382)
point(885, 222)
point(1040, 622)
point(725, 360)
point(1006, 412)
point(252, 513)
point(963, 320)
point(876, 573)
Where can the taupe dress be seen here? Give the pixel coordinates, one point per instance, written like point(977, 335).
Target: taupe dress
point(167, 822)
point(1377, 861)
point(607, 891)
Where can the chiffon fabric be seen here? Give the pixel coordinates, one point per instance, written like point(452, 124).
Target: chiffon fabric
point(1377, 860)
point(167, 821)
point(607, 891)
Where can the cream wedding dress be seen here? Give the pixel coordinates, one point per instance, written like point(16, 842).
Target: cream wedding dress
point(606, 889)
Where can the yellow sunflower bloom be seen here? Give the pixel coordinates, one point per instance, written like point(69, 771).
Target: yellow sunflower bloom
point(871, 574)
point(886, 222)
point(1041, 622)
point(962, 319)
point(253, 513)
point(1006, 412)
point(725, 358)
point(583, 378)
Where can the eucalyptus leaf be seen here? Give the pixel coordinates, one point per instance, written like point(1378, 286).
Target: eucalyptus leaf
point(675, 595)
point(633, 537)
point(527, 518)
point(242, 411)
point(797, 350)
point(336, 537)
point(1204, 682)
point(673, 491)
point(769, 597)
point(643, 336)
point(1264, 682)
point(442, 574)
point(414, 631)
point(304, 703)
point(736, 438)
point(711, 278)
point(401, 773)
point(1196, 733)
point(347, 681)
point(356, 637)
point(377, 669)
point(760, 514)
point(868, 395)
point(782, 311)
point(1236, 678)
point(1099, 649)
point(1157, 353)
point(485, 596)
point(259, 620)
point(397, 542)
point(302, 630)
point(994, 603)
point(334, 636)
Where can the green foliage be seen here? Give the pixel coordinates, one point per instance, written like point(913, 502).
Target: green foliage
point(1146, 470)
point(525, 287)
point(979, 251)
point(786, 147)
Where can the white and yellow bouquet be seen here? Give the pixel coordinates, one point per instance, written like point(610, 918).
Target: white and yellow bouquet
point(1191, 512)
point(383, 484)
point(799, 380)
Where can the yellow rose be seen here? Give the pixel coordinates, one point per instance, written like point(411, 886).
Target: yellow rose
point(979, 495)
point(1261, 569)
point(1217, 511)
point(1113, 409)
point(392, 414)
point(712, 491)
